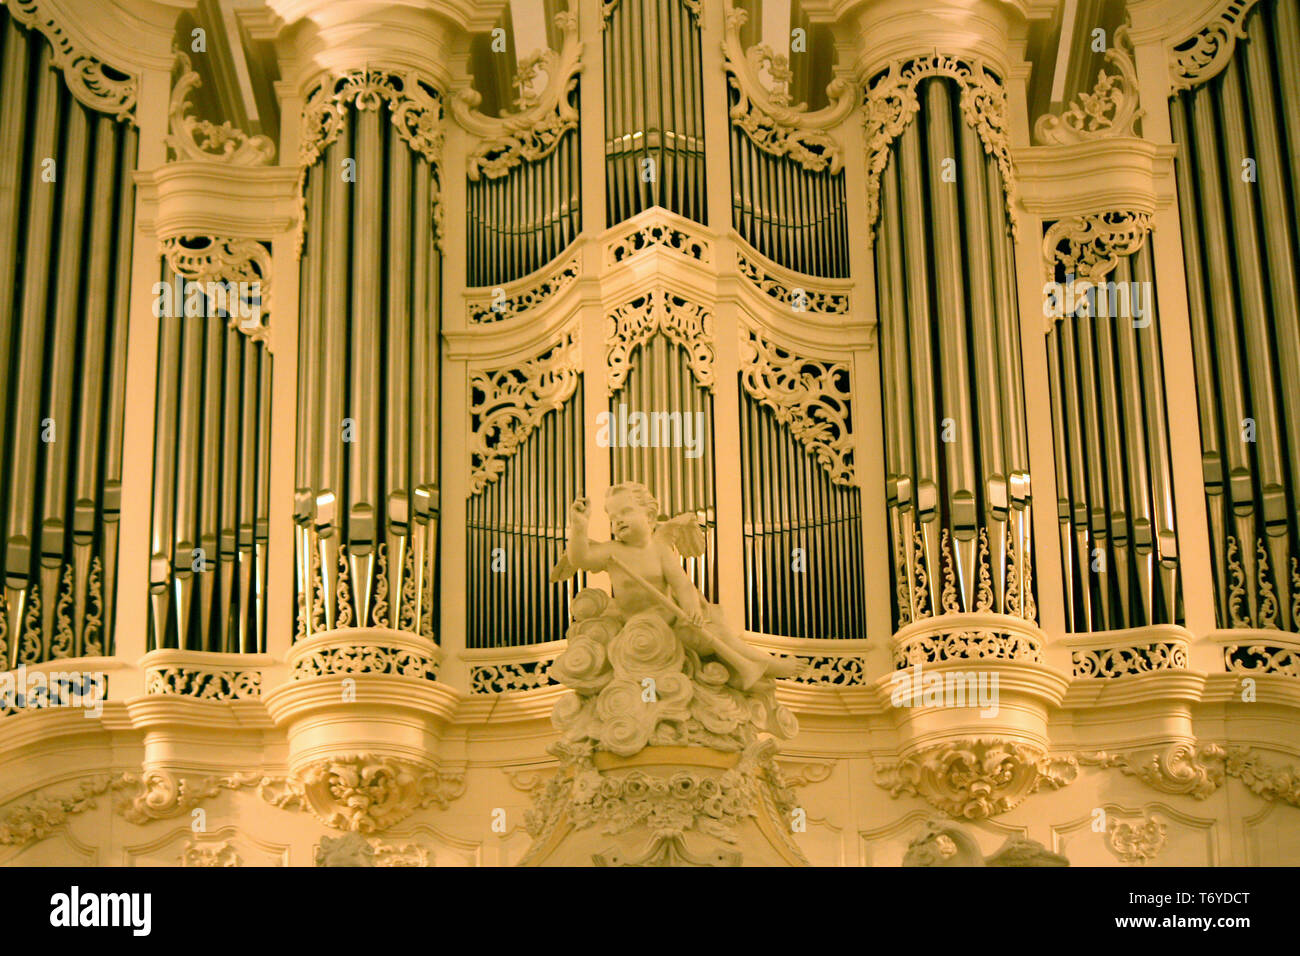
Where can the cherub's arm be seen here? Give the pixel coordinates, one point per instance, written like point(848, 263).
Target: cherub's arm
point(683, 589)
point(582, 552)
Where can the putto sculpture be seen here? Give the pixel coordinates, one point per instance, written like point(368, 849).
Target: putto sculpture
point(667, 756)
point(656, 663)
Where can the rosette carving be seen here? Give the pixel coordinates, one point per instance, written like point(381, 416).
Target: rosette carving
point(539, 122)
point(891, 102)
point(809, 396)
point(685, 324)
point(507, 404)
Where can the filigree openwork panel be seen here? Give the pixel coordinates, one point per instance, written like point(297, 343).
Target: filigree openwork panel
point(657, 234)
point(204, 683)
point(365, 659)
point(798, 298)
point(1125, 660)
point(507, 303)
point(236, 264)
point(686, 324)
point(506, 676)
point(414, 104)
point(1262, 658)
point(93, 82)
point(539, 122)
point(1203, 55)
point(506, 404)
point(890, 103)
point(810, 396)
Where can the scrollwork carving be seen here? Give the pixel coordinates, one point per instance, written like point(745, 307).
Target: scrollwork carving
point(1090, 247)
point(1110, 109)
point(1203, 55)
point(539, 123)
point(766, 115)
point(237, 262)
point(818, 301)
point(809, 396)
point(1127, 659)
point(204, 683)
point(507, 404)
point(191, 138)
point(498, 308)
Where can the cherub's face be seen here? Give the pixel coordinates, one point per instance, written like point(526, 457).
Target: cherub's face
point(629, 522)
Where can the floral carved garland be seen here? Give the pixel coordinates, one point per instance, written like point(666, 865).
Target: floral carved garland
point(809, 396)
point(891, 102)
point(684, 323)
point(507, 404)
point(90, 80)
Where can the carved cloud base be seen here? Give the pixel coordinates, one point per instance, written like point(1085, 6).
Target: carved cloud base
point(665, 806)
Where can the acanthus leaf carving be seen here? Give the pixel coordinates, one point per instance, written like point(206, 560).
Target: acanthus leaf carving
point(1110, 109)
point(507, 404)
point(1090, 247)
point(1204, 54)
point(765, 114)
point(810, 396)
point(93, 82)
point(188, 137)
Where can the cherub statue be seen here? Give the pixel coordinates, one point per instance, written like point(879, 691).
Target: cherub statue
point(647, 575)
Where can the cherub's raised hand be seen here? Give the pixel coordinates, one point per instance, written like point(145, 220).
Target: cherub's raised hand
point(578, 516)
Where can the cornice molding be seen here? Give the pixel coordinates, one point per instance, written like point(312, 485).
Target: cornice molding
point(1079, 178)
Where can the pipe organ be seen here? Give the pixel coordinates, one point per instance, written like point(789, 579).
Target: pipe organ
point(1240, 226)
point(368, 386)
point(958, 475)
point(66, 161)
point(952, 376)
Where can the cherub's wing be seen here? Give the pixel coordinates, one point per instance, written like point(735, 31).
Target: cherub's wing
point(564, 569)
point(683, 534)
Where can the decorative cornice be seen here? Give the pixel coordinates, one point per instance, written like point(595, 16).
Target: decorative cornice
point(765, 114)
point(1204, 54)
point(506, 404)
point(891, 102)
point(1111, 109)
point(94, 83)
point(191, 138)
point(686, 324)
point(204, 259)
point(810, 396)
point(1090, 247)
point(539, 123)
